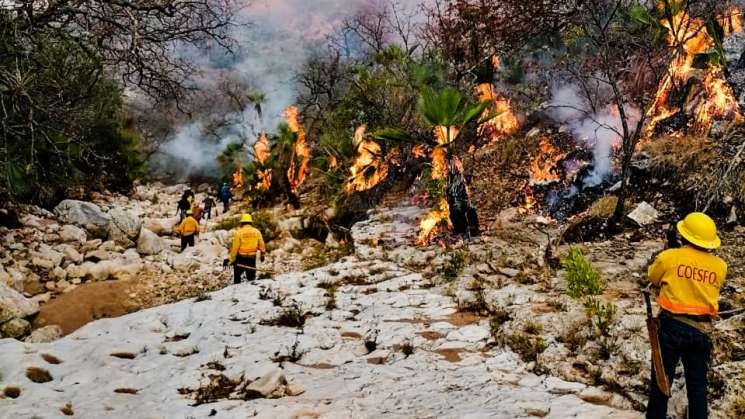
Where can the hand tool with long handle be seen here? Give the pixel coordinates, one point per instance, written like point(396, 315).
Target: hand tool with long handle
point(653, 327)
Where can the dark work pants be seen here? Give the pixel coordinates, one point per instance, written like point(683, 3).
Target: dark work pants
point(680, 341)
point(208, 212)
point(225, 206)
point(238, 271)
point(187, 241)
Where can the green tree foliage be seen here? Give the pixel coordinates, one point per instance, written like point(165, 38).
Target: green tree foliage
point(582, 279)
point(61, 123)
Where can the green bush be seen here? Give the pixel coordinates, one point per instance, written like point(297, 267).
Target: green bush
point(453, 265)
point(267, 225)
point(582, 279)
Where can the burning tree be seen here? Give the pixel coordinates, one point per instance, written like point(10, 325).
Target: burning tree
point(447, 112)
point(300, 157)
point(371, 165)
point(623, 64)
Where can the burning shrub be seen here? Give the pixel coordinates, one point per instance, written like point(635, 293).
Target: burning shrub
point(582, 279)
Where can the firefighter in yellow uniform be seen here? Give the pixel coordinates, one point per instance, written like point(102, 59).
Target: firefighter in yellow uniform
point(247, 241)
point(690, 278)
point(188, 228)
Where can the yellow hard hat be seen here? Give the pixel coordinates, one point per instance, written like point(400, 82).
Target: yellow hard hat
point(699, 229)
point(246, 218)
point(188, 212)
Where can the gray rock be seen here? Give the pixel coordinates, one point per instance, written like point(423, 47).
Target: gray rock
point(268, 385)
point(71, 254)
point(97, 255)
point(84, 214)
point(14, 305)
point(644, 214)
point(71, 233)
point(558, 386)
point(45, 335)
point(124, 227)
point(15, 328)
point(148, 243)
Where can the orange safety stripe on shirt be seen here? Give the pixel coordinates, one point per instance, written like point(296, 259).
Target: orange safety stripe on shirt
point(189, 227)
point(685, 309)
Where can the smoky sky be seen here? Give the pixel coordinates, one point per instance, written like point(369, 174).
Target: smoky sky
point(280, 36)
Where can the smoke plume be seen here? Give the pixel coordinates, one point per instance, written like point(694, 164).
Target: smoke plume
point(601, 130)
point(281, 36)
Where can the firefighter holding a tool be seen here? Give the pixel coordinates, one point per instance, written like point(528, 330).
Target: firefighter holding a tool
point(690, 278)
point(247, 241)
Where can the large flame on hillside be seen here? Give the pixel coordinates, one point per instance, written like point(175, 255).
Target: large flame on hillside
point(543, 166)
point(503, 123)
point(717, 101)
point(238, 175)
point(265, 179)
point(370, 166)
point(436, 221)
point(542, 169)
point(261, 148)
point(300, 159)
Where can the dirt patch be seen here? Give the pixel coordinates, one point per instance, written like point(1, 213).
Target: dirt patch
point(451, 354)
point(463, 318)
point(431, 335)
point(352, 335)
point(87, 303)
point(419, 320)
point(377, 360)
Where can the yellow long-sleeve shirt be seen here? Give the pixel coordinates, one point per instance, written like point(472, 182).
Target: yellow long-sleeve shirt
point(246, 241)
point(689, 280)
point(188, 226)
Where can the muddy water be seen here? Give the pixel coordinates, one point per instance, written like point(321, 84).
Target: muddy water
point(86, 303)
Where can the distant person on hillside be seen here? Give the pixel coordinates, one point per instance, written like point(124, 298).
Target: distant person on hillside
point(188, 229)
point(189, 195)
point(247, 241)
point(197, 211)
point(182, 206)
point(208, 204)
point(224, 196)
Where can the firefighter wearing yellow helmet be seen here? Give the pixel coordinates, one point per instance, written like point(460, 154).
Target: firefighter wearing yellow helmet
point(689, 278)
point(247, 241)
point(188, 228)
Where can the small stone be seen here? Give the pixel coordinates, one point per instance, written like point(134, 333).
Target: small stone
point(509, 272)
point(45, 334)
point(50, 285)
point(644, 214)
point(558, 386)
point(15, 328)
point(62, 285)
point(595, 395)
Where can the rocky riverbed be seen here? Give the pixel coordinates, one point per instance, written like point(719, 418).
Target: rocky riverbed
point(481, 329)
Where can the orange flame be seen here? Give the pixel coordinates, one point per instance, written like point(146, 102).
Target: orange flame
point(542, 167)
point(530, 201)
point(419, 151)
point(369, 168)
point(261, 148)
point(503, 123)
point(445, 135)
point(265, 179)
point(436, 221)
point(238, 175)
point(439, 162)
point(300, 159)
point(690, 37)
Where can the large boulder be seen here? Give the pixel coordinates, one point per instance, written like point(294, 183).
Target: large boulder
point(46, 257)
point(14, 305)
point(148, 243)
point(161, 226)
point(84, 214)
point(71, 233)
point(124, 227)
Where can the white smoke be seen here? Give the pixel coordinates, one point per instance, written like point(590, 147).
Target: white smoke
point(602, 130)
point(281, 36)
